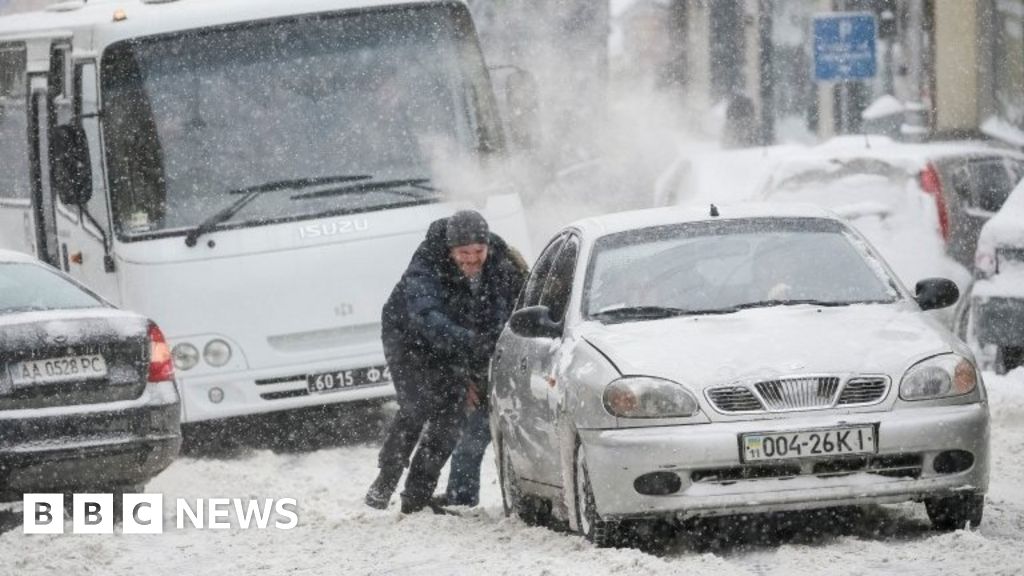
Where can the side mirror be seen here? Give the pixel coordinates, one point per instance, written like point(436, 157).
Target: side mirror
point(70, 168)
point(935, 293)
point(520, 106)
point(535, 322)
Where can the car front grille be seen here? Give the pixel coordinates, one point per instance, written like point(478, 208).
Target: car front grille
point(1007, 255)
point(892, 466)
point(734, 399)
point(798, 393)
point(795, 394)
point(863, 391)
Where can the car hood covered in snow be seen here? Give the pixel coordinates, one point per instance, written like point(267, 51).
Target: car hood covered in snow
point(756, 344)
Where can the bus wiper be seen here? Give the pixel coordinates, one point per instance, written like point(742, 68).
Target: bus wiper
point(301, 183)
point(251, 192)
point(393, 186)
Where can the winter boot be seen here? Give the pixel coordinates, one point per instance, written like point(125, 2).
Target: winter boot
point(379, 494)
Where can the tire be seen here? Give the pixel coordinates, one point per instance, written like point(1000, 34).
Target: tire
point(955, 512)
point(1008, 358)
point(531, 510)
point(601, 533)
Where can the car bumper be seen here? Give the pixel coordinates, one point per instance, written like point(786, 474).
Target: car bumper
point(95, 446)
point(271, 390)
point(703, 456)
point(1000, 321)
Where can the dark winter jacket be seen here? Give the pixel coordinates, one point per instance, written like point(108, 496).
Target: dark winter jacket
point(433, 323)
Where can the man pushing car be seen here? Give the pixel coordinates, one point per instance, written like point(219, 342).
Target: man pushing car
point(440, 326)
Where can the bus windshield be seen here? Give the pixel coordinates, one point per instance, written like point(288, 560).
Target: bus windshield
point(318, 101)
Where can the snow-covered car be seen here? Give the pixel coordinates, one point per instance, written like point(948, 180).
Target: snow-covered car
point(88, 400)
point(910, 190)
point(702, 176)
point(997, 297)
point(674, 363)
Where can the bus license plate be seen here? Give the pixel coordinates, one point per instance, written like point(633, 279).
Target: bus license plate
point(809, 443)
point(54, 370)
point(344, 379)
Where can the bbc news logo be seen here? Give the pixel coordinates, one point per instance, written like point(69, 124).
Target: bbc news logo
point(143, 513)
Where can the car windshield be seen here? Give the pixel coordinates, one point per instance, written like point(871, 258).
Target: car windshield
point(373, 95)
point(722, 267)
point(26, 287)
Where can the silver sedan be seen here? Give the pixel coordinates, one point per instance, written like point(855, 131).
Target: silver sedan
point(669, 364)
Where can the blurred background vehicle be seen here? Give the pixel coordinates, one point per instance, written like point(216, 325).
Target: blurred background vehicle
point(88, 400)
point(992, 318)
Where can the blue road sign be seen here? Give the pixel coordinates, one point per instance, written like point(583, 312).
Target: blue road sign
point(844, 46)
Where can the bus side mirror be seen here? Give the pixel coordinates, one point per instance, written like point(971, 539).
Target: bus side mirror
point(520, 106)
point(70, 168)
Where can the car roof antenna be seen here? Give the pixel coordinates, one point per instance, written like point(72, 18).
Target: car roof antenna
point(714, 211)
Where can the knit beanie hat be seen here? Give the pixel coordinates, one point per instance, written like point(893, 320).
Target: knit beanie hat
point(467, 227)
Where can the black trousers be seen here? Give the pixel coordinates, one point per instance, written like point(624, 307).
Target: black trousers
point(431, 411)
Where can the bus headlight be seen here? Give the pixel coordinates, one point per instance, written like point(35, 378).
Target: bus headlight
point(185, 356)
point(217, 353)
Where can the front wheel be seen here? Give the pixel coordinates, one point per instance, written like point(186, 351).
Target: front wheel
point(531, 510)
point(602, 533)
point(955, 512)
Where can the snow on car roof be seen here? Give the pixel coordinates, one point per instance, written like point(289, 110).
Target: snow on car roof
point(908, 157)
point(636, 219)
point(150, 17)
point(1006, 228)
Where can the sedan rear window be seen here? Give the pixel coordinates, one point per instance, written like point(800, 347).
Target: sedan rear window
point(26, 287)
point(721, 267)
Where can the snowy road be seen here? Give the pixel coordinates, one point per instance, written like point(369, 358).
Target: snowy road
point(337, 534)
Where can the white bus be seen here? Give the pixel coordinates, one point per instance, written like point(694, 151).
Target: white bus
point(252, 174)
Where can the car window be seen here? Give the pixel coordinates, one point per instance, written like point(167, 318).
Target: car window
point(25, 287)
point(990, 183)
point(558, 287)
point(535, 283)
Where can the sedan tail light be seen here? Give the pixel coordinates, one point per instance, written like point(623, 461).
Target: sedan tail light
point(161, 364)
point(932, 185)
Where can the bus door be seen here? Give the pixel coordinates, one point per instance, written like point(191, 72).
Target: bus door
point(46, 90)
point(85, 234)
point(17, 223)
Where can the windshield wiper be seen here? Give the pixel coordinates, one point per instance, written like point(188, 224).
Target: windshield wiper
point(251, 192)
point(362, 187)
point(792, 302)
point(653, 312)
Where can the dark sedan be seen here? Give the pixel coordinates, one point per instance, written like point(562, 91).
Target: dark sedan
point(88, 400)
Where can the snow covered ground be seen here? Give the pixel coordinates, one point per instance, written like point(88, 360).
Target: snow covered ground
point(337, 534)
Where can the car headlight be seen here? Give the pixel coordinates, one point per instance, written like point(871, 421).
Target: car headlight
point(939, 377)
point(217, 353)
point(645, 397)
point(185, 356)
